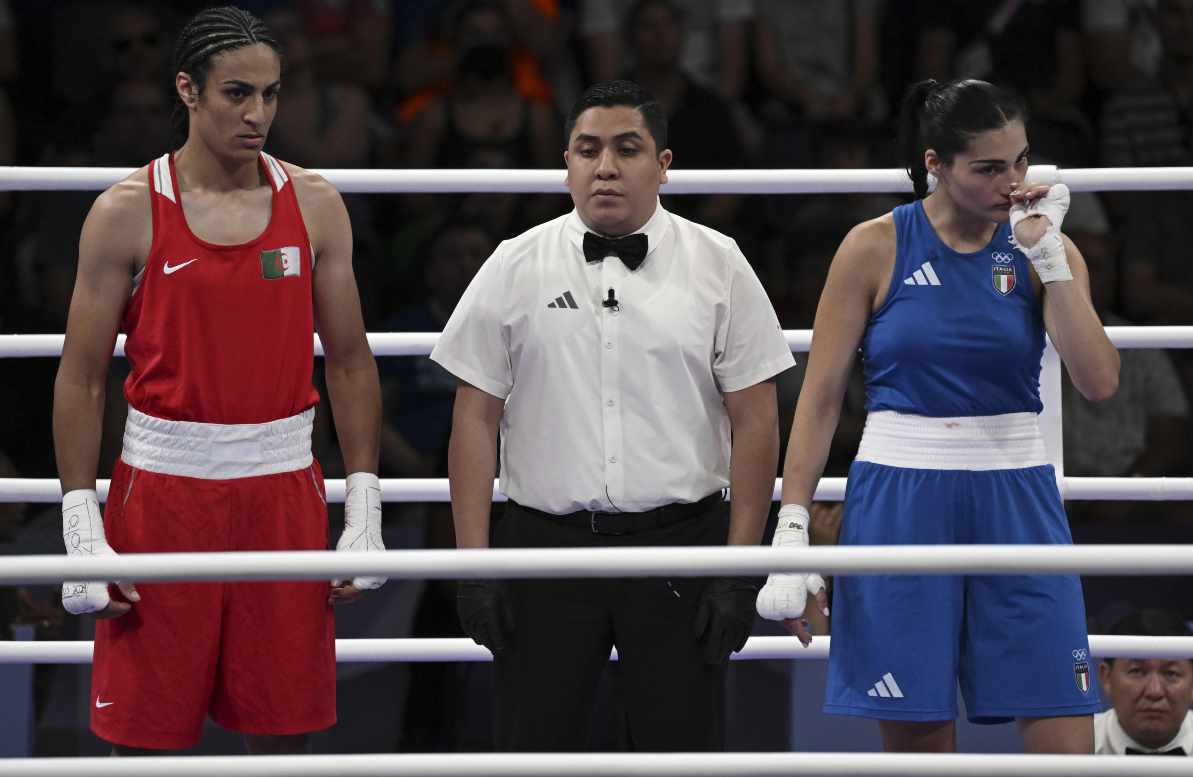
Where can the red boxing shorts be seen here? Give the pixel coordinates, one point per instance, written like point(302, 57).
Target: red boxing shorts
point(258, 657)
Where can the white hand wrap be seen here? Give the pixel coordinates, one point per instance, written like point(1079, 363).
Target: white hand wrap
point(1047, 255)
point(785, 595)
point(362, 521)
point(83, 534)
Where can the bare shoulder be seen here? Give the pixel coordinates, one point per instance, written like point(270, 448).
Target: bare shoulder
point(869, 247)
point(121, 219)
point(323, 211)
point(313, 190)
point(125, 199)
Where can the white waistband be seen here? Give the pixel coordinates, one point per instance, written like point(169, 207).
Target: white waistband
point(217, 451)
point(1009, 441)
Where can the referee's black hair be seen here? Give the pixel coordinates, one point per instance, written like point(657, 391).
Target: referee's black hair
point(945, 116)
point(210, 32)
point(611, 94)
point(1151, 623)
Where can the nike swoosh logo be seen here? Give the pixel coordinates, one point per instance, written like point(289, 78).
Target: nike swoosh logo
point(167, 269)
point(99, 705)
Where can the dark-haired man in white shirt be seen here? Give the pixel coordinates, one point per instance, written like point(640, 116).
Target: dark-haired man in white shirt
point(626, 356)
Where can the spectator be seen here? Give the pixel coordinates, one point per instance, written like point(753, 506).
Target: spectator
point(483, 108)
point(1112, 27)
point(544, 70)
point(702, 135)
point(1149, 698)
point(349, 39)
point(988, 40)
point(136, 44)
point(1143, 429)
point(819, 61)
point(715, 40)
point(323, 122)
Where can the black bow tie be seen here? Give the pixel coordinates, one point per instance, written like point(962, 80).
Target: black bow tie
point(631, 249)
point(1173, 751)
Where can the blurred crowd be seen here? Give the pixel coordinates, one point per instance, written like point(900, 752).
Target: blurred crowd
point(746, 83)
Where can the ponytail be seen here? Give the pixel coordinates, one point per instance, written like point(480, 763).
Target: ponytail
point(911, 149)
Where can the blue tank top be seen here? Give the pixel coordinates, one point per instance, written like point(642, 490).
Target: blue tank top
point(958, 334)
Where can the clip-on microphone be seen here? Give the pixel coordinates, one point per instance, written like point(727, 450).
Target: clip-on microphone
point(611, 302)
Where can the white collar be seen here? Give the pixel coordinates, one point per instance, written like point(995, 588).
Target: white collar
point(655, 228)
point(1119, 740)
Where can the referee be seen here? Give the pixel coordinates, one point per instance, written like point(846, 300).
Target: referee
point(626, 356)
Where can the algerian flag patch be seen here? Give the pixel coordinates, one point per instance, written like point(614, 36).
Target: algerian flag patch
point(280, 262)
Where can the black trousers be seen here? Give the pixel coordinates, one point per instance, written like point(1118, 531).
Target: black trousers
point(564, 629)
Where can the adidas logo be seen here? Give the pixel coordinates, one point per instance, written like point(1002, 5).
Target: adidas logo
point(887, 688)
point(925, 276)
point(565, 302)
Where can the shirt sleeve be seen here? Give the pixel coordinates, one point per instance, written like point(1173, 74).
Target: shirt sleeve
point(474, 345)
point(750, 346)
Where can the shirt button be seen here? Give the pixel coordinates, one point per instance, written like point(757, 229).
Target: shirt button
point(612, 459)
point(609, 345)
point(609, 403)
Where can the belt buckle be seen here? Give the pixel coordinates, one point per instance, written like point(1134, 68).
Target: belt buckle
point(592, 517)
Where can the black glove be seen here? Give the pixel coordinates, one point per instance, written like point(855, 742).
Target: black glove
point(725, 616)
point(485, 613)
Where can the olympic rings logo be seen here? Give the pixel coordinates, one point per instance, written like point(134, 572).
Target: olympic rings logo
point(1003, 257)
point(1080, 654)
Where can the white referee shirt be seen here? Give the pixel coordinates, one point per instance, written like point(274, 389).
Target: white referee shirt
point(1111, 739)
point(614, 409)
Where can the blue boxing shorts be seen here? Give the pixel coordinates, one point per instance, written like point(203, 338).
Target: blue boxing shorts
point(1017, 644)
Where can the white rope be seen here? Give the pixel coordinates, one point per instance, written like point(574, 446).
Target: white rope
point(48, 490)
point(606, 765)
point(606, 562)
point(681, 181)
point(421, 343)
point(445, 649)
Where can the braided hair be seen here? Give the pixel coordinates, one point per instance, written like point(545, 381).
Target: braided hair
point(208, 33)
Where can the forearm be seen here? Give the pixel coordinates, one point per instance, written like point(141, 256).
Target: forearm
point(1090, 357)
point(355, 394)
point(471, 466)
point(78, 423)
point(753, 458)
point(807, 448)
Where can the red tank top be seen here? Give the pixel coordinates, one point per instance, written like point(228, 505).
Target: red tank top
point(222, 333)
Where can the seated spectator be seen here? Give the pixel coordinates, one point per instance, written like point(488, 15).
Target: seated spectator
point(819, 61)
point(483, 107)
point(701, 134)
point(136, 44)
point(349, 39)
point(320, 122)
point(1143, 429)
point(1149, 698)
point(1112, 27)
point(714, 47)
point(544, 69)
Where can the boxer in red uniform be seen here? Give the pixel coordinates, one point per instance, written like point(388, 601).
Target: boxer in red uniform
point(218, 262)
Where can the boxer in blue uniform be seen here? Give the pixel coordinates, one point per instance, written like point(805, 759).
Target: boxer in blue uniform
point(948, 299)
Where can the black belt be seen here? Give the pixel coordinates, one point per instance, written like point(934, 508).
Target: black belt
point(628, 523)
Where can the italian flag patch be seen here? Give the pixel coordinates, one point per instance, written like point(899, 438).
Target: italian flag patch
point(280, 262)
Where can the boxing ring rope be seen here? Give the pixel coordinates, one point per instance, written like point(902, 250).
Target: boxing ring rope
point(46, 490)
point(602, 562)
point(444, 649)
point(890, 180)
point(1108, 559)
point(605, 765)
